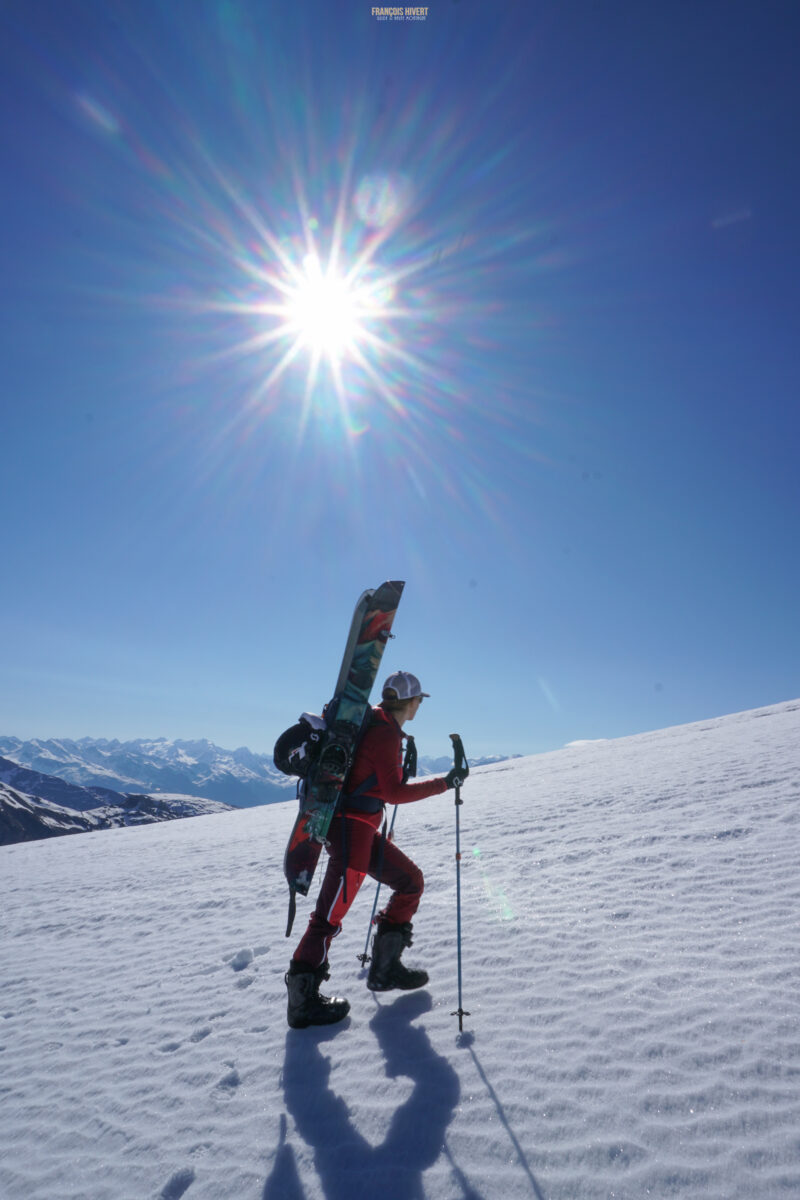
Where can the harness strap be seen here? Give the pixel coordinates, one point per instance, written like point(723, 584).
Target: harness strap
point(363, 788)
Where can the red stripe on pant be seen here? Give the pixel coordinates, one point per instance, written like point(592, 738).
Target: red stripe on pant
point(367, 853)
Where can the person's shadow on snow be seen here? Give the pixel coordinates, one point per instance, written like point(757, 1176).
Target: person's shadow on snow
point(349, 1168)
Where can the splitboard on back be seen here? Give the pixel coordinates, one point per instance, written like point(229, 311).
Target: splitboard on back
point(346, 717)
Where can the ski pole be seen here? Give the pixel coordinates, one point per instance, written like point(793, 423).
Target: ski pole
point(460, 763)
point(365, 958)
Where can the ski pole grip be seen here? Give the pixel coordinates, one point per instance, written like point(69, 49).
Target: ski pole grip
point(458, 750)
point(459, 762)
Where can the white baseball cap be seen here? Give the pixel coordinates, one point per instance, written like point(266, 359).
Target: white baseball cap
point(406, 685)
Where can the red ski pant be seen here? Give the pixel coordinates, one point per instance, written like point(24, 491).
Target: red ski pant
point(357, 849)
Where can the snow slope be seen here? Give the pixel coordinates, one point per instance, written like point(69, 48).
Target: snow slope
point(630, 966)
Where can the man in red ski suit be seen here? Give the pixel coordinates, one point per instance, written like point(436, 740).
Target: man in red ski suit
point(357, 848)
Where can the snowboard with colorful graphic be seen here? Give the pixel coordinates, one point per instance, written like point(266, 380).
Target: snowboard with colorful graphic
point(345, 718)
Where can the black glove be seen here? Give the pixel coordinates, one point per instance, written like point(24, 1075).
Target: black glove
point(456, 775)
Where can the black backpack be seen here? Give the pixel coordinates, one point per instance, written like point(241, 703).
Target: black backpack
point(297, 749)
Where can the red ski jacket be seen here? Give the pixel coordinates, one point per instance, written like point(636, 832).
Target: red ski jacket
point(377, 772)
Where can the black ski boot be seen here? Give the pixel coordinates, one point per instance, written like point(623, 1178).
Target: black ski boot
point(386, 971)
point(306, 1005)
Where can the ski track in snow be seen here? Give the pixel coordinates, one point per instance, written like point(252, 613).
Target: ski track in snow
point(630, 912)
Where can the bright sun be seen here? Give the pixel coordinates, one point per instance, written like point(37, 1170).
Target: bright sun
point(330, 313)
point(322, 311)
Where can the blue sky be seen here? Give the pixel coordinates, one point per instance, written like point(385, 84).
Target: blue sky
point(566, 414)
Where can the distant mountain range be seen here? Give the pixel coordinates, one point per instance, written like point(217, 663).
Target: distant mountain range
point(34, 805)
point(240, 777)
point(235, 777)
point(440, 766)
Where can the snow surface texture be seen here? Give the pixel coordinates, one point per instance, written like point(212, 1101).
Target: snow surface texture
point(630, 914)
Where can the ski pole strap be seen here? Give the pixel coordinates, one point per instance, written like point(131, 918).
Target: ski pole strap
point(410, 759)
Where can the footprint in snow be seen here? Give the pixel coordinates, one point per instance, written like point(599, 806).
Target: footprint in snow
point(241, 959)
point(229, 1083)
point(175, 1187)
point(199, 1034)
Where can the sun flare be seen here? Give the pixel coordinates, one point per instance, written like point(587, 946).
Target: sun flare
point(331, 304)
point(322, 311)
